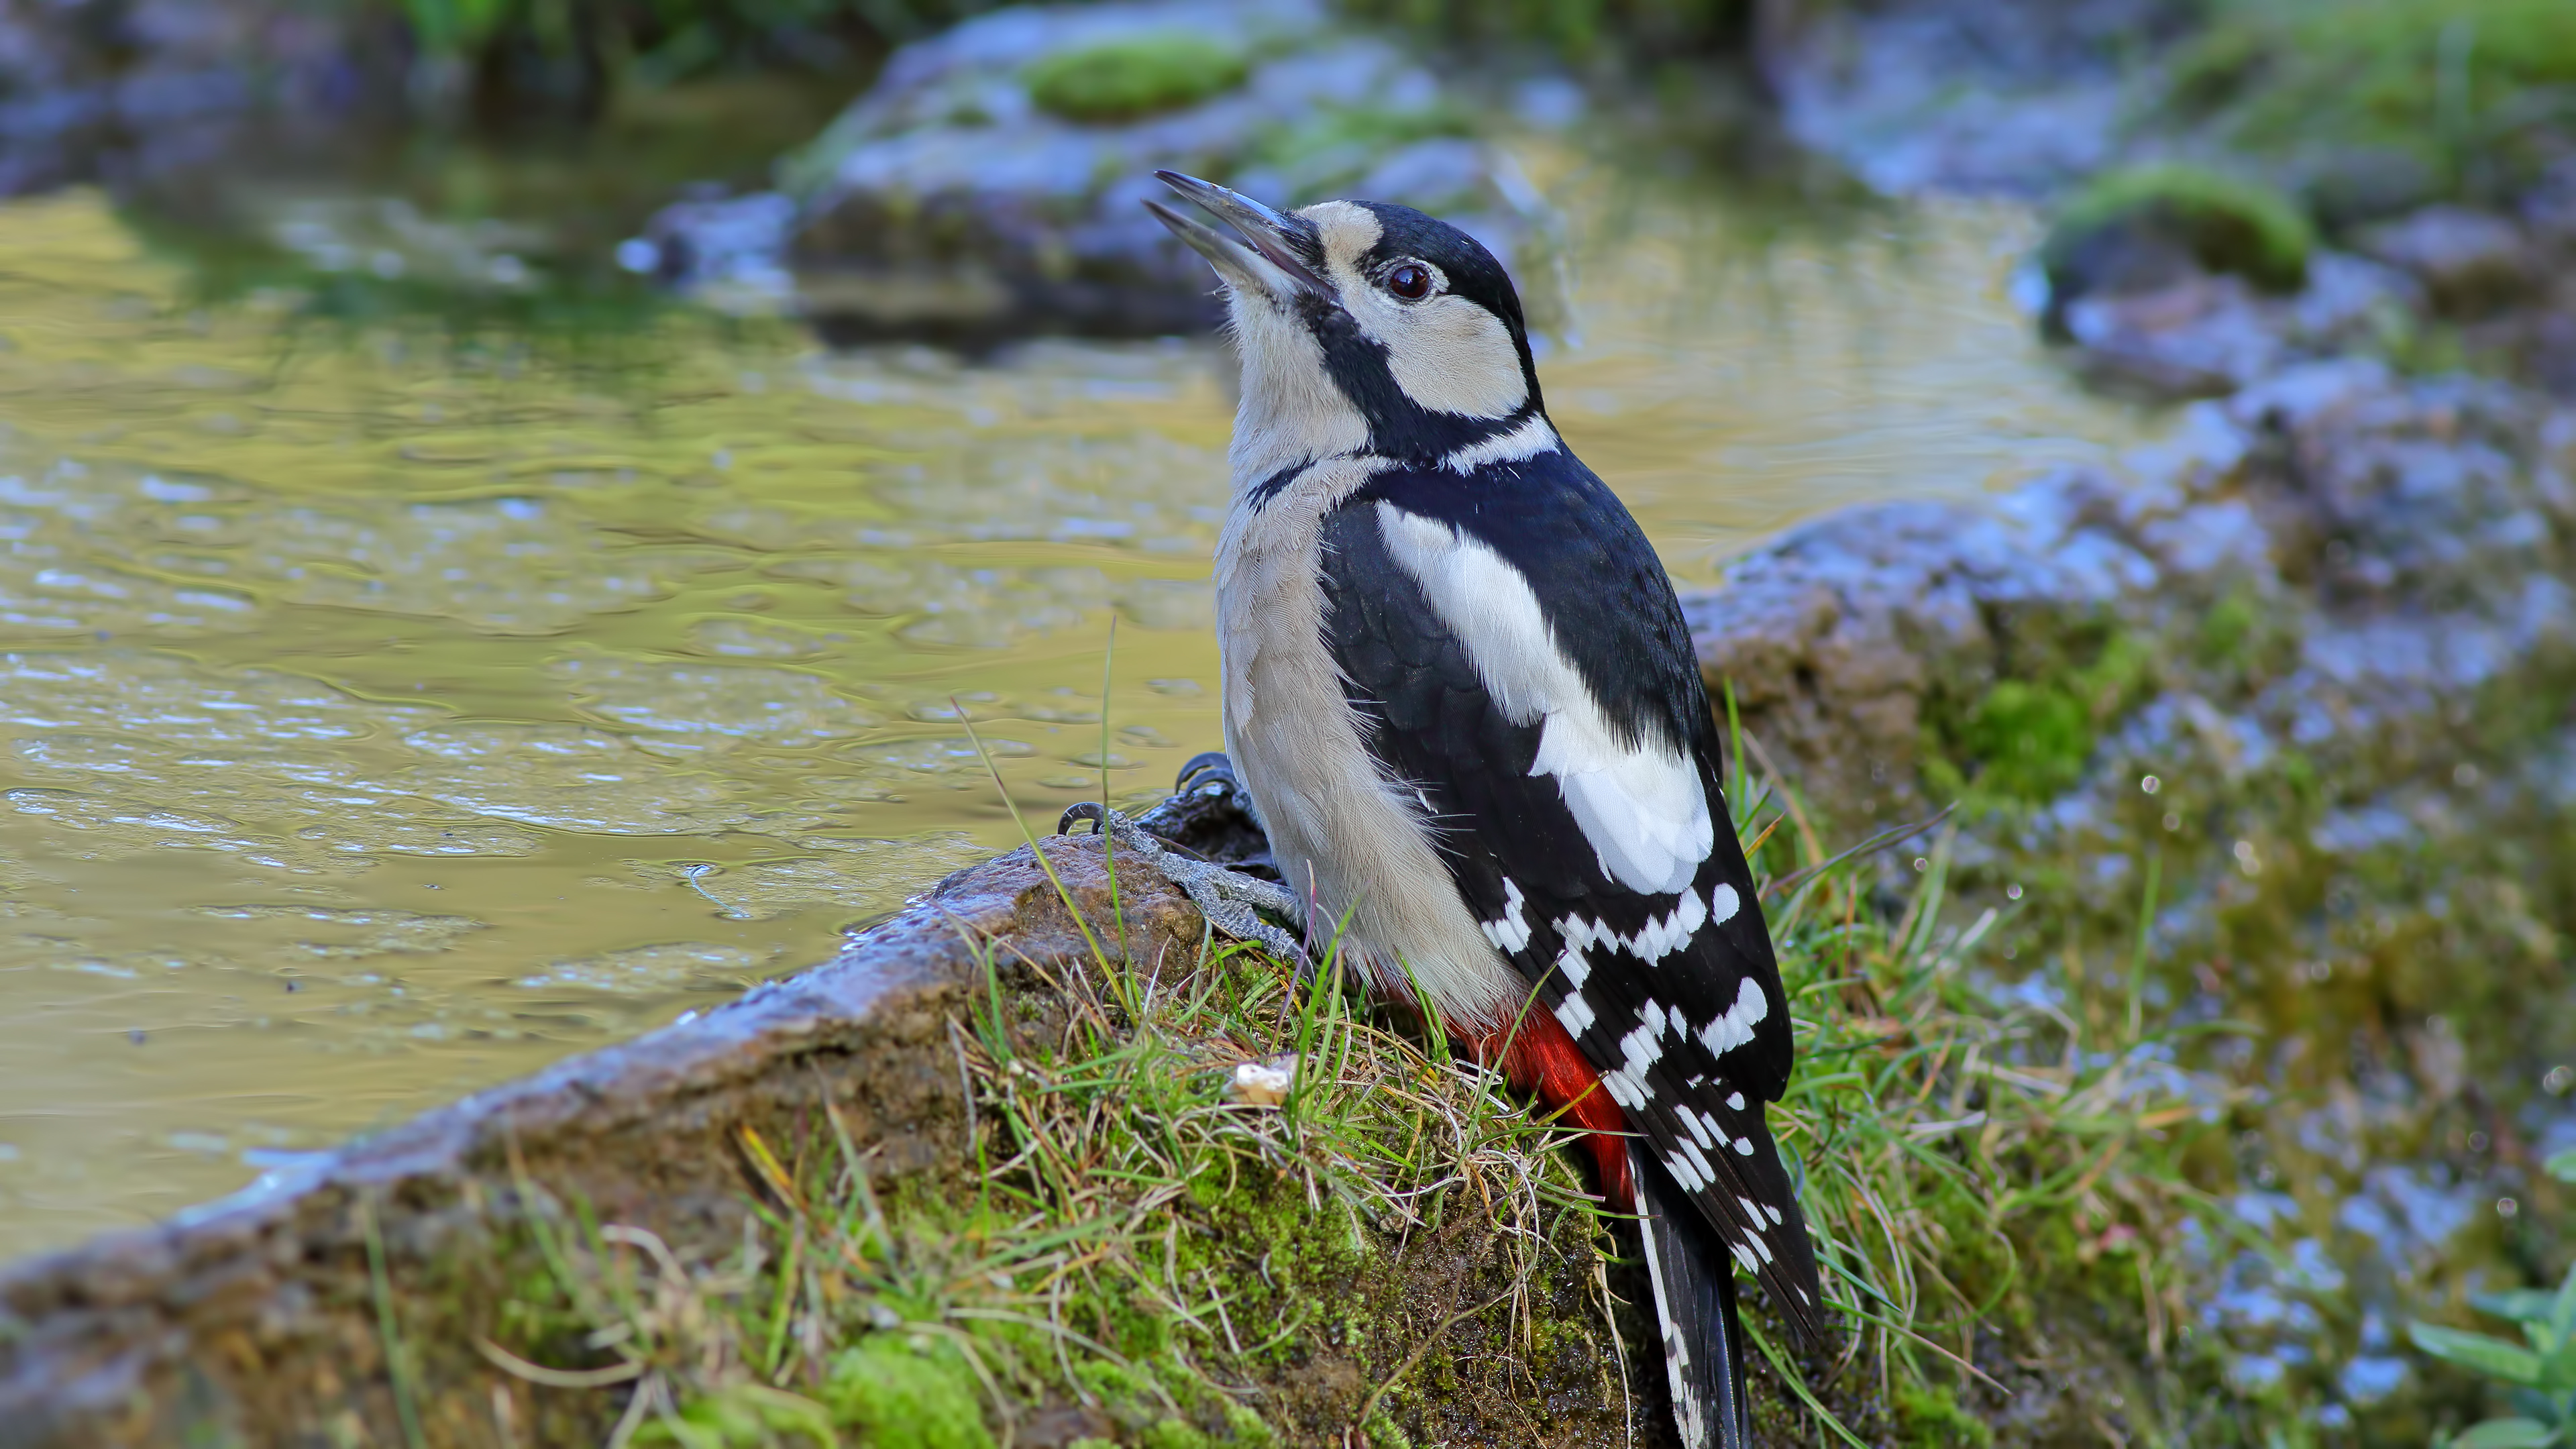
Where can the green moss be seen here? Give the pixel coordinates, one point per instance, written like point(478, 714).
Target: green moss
point(745, 1416)
point(1247, 1426)
point(2456, 83)
point(900, 1399)
point(1135, 75)
point(2032, 739)
point(1931, 1418)
point(1657, 29)
point(1383, 1434)
point(2226, 628)
point(1336, 146)
point(2029, 736)
point(2227, 223)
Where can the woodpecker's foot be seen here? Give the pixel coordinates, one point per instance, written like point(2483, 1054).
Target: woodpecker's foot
point(1228, 898)
point(1210, 813)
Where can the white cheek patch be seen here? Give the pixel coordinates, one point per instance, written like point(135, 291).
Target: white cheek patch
point(1448, 354)
point(1641, 808)
point(1734, 1027)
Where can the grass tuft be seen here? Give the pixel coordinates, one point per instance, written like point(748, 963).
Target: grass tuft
point(1133, 1243)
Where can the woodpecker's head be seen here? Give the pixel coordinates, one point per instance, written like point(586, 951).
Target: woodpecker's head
point(1365, 327)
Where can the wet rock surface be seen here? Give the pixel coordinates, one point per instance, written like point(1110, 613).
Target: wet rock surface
point(118, 89)
point(976, 192)
point(2407, 536)
point(2307, 664)
point(1974, 95)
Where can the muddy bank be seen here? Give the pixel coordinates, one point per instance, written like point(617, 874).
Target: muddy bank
point(365, 1297)
point(254, 1319)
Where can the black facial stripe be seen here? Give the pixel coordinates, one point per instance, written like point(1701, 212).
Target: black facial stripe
point(1398, 426)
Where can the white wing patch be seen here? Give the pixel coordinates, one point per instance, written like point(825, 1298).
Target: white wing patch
point(1654, 941)
point(1641, 808)
point(1575, 1013)
point(1512, 932)
point(1627, 1081)
point(1734, 1027)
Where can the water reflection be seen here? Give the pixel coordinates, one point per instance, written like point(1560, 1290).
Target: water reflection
point(388, 709)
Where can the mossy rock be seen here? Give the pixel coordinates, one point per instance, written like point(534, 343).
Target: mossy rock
point(1133, 76)
point(2136, 229)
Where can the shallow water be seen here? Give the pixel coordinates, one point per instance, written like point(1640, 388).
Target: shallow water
point(388, 709)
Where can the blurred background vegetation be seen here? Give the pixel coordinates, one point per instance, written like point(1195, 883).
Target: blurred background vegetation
point(512, 57)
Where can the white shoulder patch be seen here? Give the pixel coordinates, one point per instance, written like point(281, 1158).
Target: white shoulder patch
point(1641, 809)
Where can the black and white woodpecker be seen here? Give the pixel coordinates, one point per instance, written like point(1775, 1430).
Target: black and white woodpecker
point(1459, 692)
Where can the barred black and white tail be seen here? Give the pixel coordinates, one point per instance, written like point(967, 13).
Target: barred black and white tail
point(1694, 1280)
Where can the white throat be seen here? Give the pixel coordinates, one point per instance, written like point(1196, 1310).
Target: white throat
point(1292, 413)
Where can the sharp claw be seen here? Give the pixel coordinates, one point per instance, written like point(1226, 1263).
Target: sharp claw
point(1203, 770)
point(1227, 898)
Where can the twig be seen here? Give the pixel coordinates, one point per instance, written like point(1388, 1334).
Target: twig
point(555, 1378)
point(1880, 841)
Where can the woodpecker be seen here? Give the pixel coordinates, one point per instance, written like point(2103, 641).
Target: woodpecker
point(1459, 692)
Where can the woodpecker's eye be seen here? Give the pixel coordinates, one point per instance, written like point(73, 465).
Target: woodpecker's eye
point(1412, 281)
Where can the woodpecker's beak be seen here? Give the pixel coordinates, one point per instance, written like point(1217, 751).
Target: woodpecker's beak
point(1269, 264)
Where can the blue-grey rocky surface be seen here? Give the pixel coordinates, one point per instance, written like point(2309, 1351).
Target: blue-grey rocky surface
point(127, 88)
point(2031, 98)
point(2409, 536)
point(949, 201)
point(2312, 654)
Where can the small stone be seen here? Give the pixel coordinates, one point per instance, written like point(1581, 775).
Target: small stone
point(2470, 261)
point(1264, 1083)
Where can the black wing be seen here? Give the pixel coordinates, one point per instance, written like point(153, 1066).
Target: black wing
point(1676, 1002)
